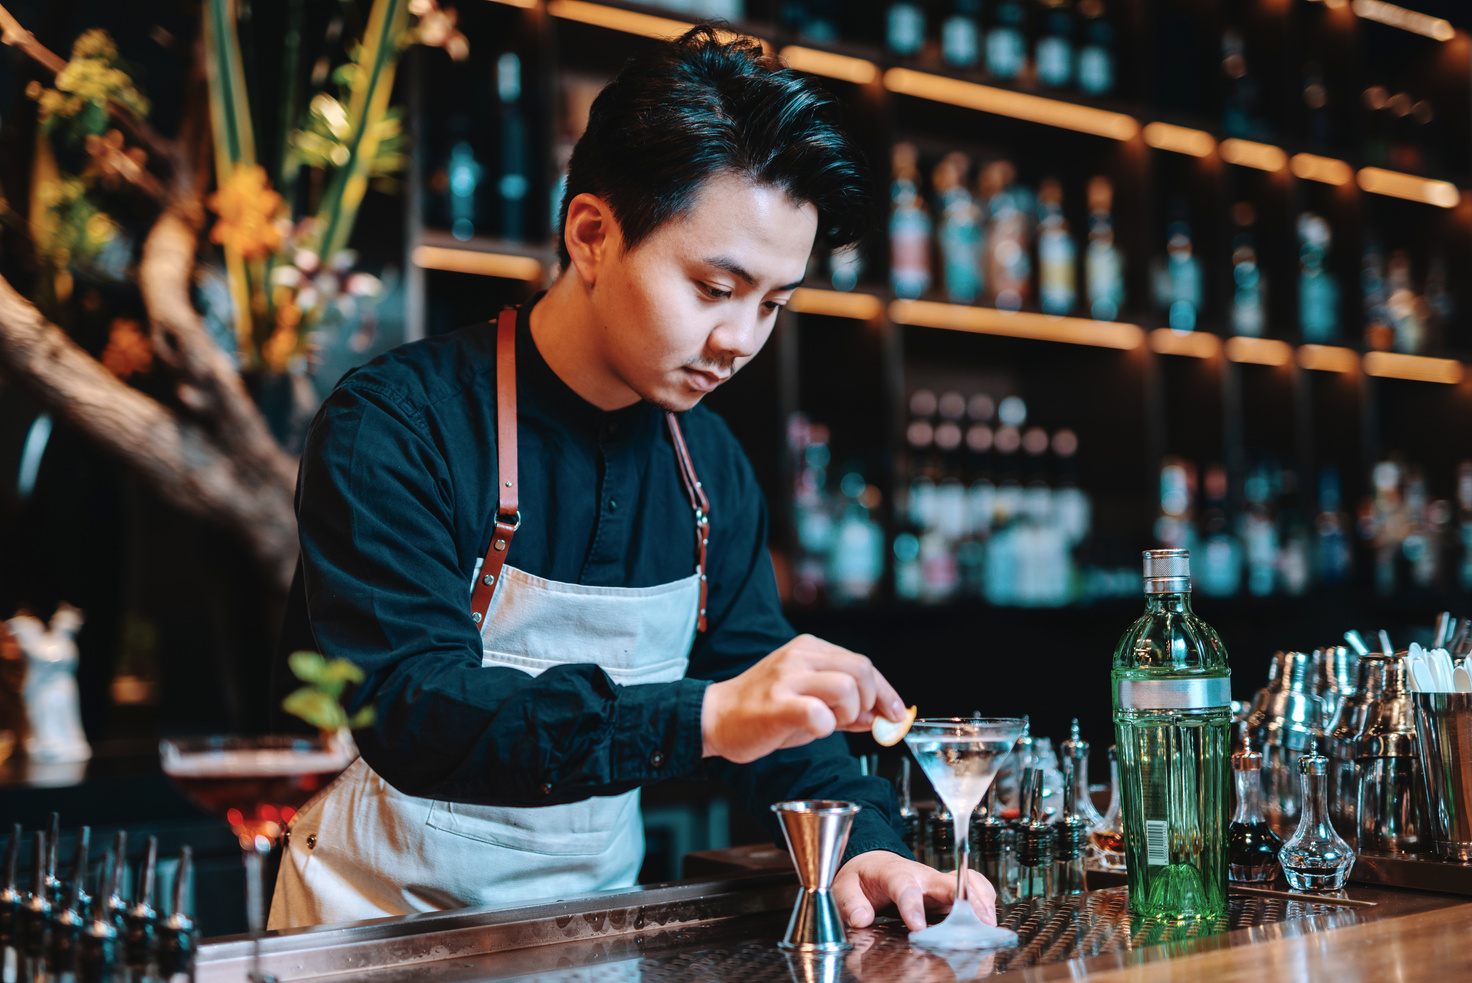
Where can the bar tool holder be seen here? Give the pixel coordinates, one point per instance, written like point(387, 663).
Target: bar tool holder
point(140, 922)
point(67, 923)
point(35, 913)
point(1444, 740)
point(817, 832)
point(1036, 841)
point(1071, 834)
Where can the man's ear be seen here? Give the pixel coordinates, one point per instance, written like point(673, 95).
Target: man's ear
point(591, 235)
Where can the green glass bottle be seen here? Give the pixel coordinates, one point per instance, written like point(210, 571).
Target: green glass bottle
point(1172, 714)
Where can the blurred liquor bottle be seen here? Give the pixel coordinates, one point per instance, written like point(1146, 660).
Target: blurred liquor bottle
point(904, 29)
point(960, 34)
point(1096, 76)
point(1249, 289)
point(909, 226)
point(1054, 53)
point(512, 185)
point(1006, 40)
point(1009, 231)
point(1057, 252)
point(961, 233)
point(1103, 261)
point(1318, 289)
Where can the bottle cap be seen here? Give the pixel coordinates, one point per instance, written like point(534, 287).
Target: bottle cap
point(1075, 747)
point(1313, 764)
point(1247, 761)
point(1167, 571)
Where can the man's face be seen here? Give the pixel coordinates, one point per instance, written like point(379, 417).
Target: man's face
point(696, 300)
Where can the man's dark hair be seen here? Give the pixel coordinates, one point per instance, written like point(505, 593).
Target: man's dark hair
point(705, 104)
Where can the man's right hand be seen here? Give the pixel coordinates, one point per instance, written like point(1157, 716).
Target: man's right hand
point(805, 690)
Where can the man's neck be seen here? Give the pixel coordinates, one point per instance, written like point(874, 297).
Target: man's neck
point(568, 333)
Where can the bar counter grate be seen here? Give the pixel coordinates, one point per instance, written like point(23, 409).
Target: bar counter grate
point(1049, 932)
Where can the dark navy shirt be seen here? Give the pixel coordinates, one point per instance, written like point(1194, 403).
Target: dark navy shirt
point(395, 504)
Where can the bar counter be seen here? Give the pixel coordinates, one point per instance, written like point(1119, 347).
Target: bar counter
point(726, 927)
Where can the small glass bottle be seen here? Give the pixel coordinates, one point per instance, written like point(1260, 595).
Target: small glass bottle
point(1076, 749)
point(1035, 844)
point(1315, 858)
point(1108, 838)
point(1252, 846)
point(994, 847)
point(908, 816)
point(1071, 836)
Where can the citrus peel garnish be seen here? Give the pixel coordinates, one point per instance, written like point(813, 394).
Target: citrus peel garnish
point(890, 732)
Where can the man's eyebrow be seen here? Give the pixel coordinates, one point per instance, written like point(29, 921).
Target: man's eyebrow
point(736, 269)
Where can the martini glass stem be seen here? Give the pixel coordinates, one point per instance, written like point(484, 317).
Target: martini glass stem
point(963, 853)
point(255, 848)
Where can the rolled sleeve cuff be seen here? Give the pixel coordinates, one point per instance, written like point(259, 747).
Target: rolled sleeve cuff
point(659, 737)
point(875, 833)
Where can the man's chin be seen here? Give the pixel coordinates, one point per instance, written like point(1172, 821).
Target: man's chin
point(675, 399)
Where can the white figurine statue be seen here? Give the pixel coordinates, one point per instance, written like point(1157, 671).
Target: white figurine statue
point(51, 694)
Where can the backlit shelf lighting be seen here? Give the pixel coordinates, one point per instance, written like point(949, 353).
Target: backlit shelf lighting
point(524, 4)
point(1018, 105)
point(1328, 358)
point(1017, 324)
point(833, 303)
point(1249, 153)
point(1407, 20)
point(1312, 167)
point(1195, 344)
point(473, 261)
point(1259, 351)
point(1417, 368)
point(617, 19)
point(1379, 181)
point(1179, 139)
point(828, 64)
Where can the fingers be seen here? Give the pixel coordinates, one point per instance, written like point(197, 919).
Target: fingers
point(910, 903)
point(875, 692)
point(854, 908)
point(983, 896)
point(840, 691)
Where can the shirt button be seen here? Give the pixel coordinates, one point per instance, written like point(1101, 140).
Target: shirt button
point(546, 788)
point(656, 760)
point(612, 505)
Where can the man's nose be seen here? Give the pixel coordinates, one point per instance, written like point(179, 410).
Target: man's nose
point(738, 336)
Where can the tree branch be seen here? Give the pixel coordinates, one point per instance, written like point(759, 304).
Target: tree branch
point(180, 461)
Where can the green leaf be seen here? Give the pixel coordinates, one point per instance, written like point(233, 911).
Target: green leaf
point(363, 718)
point(316, 708)
point(309, 667)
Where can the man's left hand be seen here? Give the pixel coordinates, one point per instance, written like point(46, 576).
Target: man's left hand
point(874, 880)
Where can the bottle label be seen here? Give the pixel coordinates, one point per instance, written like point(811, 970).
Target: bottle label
point(1174, 694)
point(1157, 842)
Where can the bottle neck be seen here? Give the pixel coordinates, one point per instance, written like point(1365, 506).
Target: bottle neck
point(1315, 799)
point(1249, 797)
point(1173, 603)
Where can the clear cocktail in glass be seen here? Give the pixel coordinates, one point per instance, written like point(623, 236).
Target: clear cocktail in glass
point(256, 784)
point(960, 756)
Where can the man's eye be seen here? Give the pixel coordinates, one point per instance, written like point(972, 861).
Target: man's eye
point(715, 293)
point(772, 306)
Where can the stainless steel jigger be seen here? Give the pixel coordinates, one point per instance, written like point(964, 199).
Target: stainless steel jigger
point(816, 831)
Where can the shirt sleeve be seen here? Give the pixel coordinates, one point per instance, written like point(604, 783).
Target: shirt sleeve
point(384, 588)
point(745, 624)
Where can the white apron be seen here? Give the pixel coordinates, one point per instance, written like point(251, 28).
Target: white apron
point(361, 849)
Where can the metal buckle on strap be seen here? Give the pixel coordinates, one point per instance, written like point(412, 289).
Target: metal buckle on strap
point(515, 527)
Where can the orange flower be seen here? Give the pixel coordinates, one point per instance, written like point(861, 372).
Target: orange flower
point(247, 208)
point(128, 349)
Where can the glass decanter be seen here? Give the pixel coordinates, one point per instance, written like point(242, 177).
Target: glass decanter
point(1252, 846)
point(1315, 858)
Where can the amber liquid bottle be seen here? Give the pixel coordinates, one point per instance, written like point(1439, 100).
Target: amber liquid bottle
point(1252, 846)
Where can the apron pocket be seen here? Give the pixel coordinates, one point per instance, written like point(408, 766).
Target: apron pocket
point(575, 829)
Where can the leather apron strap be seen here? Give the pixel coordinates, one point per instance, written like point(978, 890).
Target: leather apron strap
point(508, 516)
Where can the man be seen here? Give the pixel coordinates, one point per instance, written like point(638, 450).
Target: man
point(552, 564)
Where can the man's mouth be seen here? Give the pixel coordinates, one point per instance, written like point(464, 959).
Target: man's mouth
point(703, 381)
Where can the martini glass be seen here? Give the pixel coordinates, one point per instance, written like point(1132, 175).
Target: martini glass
point(960, 756)
point(256, 784)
